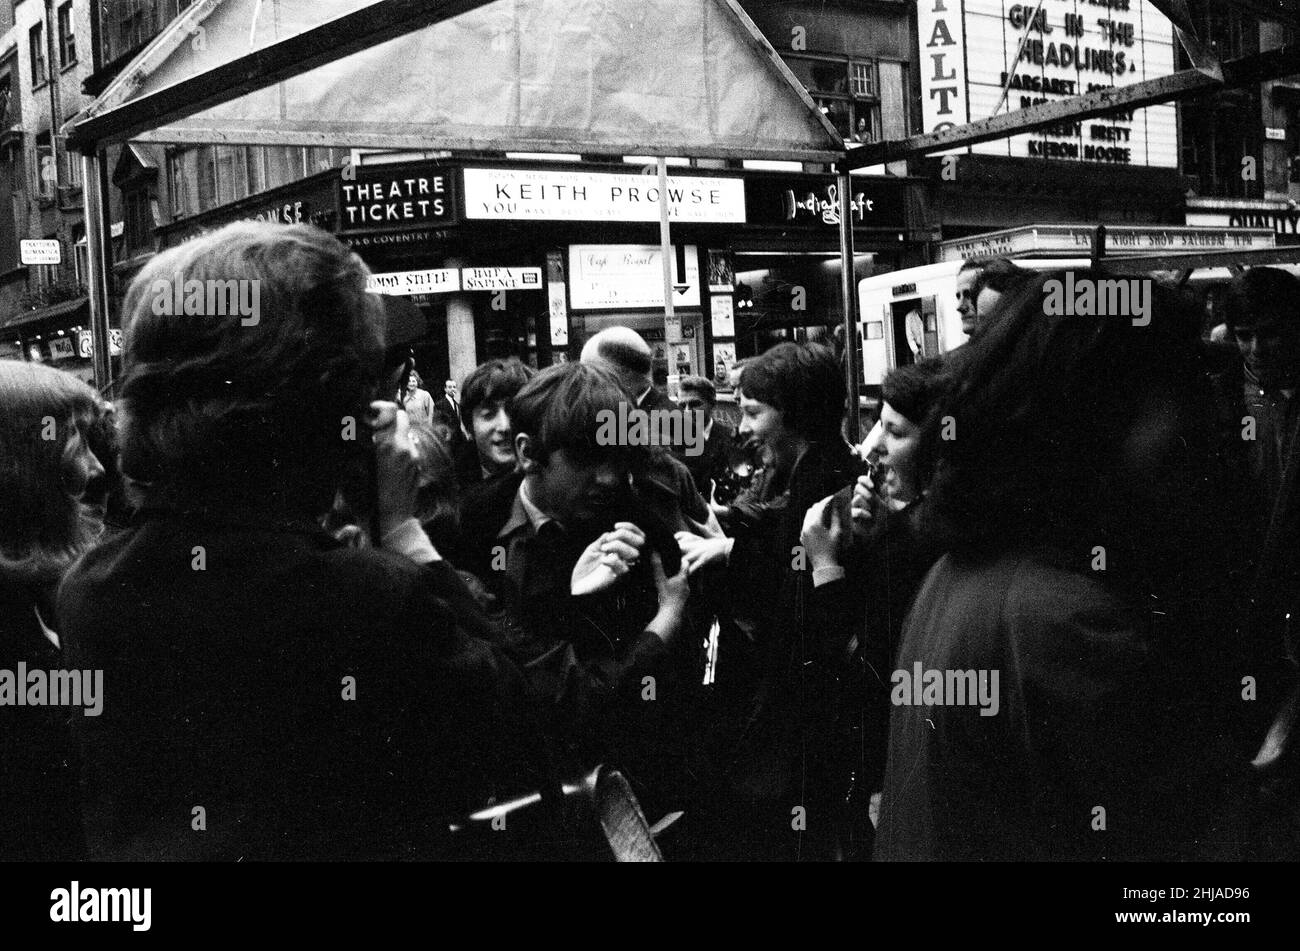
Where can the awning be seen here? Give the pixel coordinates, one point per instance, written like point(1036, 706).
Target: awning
point(24, 317)
point(656, 77)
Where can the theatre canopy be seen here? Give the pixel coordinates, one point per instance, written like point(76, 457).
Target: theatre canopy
point(640, 77)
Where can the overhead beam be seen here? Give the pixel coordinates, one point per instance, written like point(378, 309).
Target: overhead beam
point(1184, 84)
point(348, 34)
point(1268, 9)
point(1190, 260)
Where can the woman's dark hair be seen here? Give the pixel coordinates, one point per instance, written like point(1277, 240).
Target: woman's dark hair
point(42, 528)
point(915, 391)
point(999, 274)
point(1258, 291)
point(222, 408)
point(1044, 412)
point(804, 382)
point(489, 382)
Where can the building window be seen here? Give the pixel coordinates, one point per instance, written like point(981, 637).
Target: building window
point(846, 90)
point(6, 90)
point(43, 168)
point(37, 46)
point(139, 225)
point(67, 41)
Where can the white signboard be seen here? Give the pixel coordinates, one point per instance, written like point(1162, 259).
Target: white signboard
point(942, 39)
point(551, 195)
point(1076, 241)
point(972, 49)
point(559, 312)
point(722, 315)
point(41, 251)
point(86, 343)
point(444, 280)
point(629, 275)
point(501, 278)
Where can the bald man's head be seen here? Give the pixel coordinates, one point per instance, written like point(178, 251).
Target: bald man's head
point(622, 350)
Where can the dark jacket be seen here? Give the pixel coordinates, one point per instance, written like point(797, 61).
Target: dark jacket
point(777, 685)
point(40, 814)
point(713, 462)
point(585, 657)
point(271, 694)
point(1092, 710)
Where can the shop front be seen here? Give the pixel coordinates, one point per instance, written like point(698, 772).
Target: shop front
point(530, 260)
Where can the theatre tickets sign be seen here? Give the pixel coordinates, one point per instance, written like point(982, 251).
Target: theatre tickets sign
point(970, 50)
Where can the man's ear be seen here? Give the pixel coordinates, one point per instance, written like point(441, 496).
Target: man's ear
point(524, 450)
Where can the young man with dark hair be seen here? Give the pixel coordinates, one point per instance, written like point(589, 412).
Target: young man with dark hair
point(490, 448)
point(700, 396)
point(1262, 311)
point(588, 576)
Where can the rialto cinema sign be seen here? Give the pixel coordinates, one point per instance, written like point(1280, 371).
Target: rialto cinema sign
point(971, 51)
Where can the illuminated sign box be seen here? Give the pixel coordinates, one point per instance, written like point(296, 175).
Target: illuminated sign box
point(971, 50)
point(522, 194)
point(1076, 241)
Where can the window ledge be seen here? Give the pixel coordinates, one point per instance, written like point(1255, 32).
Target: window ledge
point(71, 66)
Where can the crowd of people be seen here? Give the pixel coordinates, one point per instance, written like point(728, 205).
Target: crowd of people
point(1043, 611)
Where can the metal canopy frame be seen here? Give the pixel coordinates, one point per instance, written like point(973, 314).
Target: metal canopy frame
point(387, 19)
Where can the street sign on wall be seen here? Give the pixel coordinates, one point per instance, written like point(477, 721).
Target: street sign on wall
point(41, 251)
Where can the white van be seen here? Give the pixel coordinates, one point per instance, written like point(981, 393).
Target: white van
point(908, 315)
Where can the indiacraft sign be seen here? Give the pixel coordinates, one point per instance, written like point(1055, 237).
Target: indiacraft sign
point(972, 49)
point(390, 197)
point(813, 202)
point(533, 194)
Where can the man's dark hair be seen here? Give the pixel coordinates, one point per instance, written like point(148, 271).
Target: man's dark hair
point(1260, 291)
point(804, 382)
point(700, 387)
point(561, 407)
point(218, 412)
point(492, 381)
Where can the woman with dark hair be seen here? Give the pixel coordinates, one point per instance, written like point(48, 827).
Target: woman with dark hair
point(48, 517)
point(1059, 689)
point(981, 282)
point(315, 700)
point(775, 669)
point(866, 576)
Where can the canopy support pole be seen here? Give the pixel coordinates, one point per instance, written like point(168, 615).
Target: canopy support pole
point(848, 285)
point(95, 197)
point(666, 253)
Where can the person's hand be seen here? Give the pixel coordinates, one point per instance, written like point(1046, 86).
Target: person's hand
point(822, 533)
point(700, 552)
point(607, 559)
point(397, 471)
point(673, 594)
